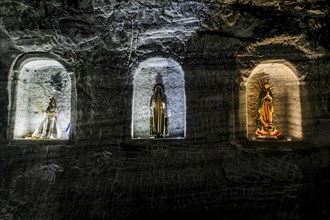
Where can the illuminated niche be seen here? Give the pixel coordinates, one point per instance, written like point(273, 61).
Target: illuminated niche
point(41, 102)
point(158, 82)
point(285, 90)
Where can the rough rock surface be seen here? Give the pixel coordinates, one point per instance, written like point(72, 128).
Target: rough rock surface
point(216, 171)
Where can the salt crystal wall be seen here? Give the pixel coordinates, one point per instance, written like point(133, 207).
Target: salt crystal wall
point(215, 169)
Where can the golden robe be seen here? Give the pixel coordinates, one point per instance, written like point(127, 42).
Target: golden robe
point(158, 118)
point(265, 113)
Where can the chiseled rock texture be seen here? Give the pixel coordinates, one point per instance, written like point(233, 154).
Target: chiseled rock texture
point(215, 172)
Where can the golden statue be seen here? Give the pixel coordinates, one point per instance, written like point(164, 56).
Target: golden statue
point(47, 128)
point(264, 121)
point(158, 117)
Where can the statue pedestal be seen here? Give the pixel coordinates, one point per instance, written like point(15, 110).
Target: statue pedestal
point(267, 137)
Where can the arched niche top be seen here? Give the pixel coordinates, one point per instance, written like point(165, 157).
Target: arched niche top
point(275, 65)
point(269, 65)
point(22, 59)
point(159, 62)
point(169, 73)
point(33, 81)
point(286, 91)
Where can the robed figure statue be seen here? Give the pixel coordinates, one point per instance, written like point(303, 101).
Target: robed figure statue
point(47, 128)
point(158, 115)
point(265, 124)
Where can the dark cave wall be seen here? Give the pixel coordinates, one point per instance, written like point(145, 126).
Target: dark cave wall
point(215, 171)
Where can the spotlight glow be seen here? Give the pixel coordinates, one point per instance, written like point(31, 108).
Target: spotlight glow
point(38, 81)
point(287, 115)
point(171, 75)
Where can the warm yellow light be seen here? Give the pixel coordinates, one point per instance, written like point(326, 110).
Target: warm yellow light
point(285, 84)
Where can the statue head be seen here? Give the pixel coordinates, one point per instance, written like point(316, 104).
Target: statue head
point(158, 89)
point(52, 102)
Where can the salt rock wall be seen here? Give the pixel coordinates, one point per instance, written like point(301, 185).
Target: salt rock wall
point(216, 171)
